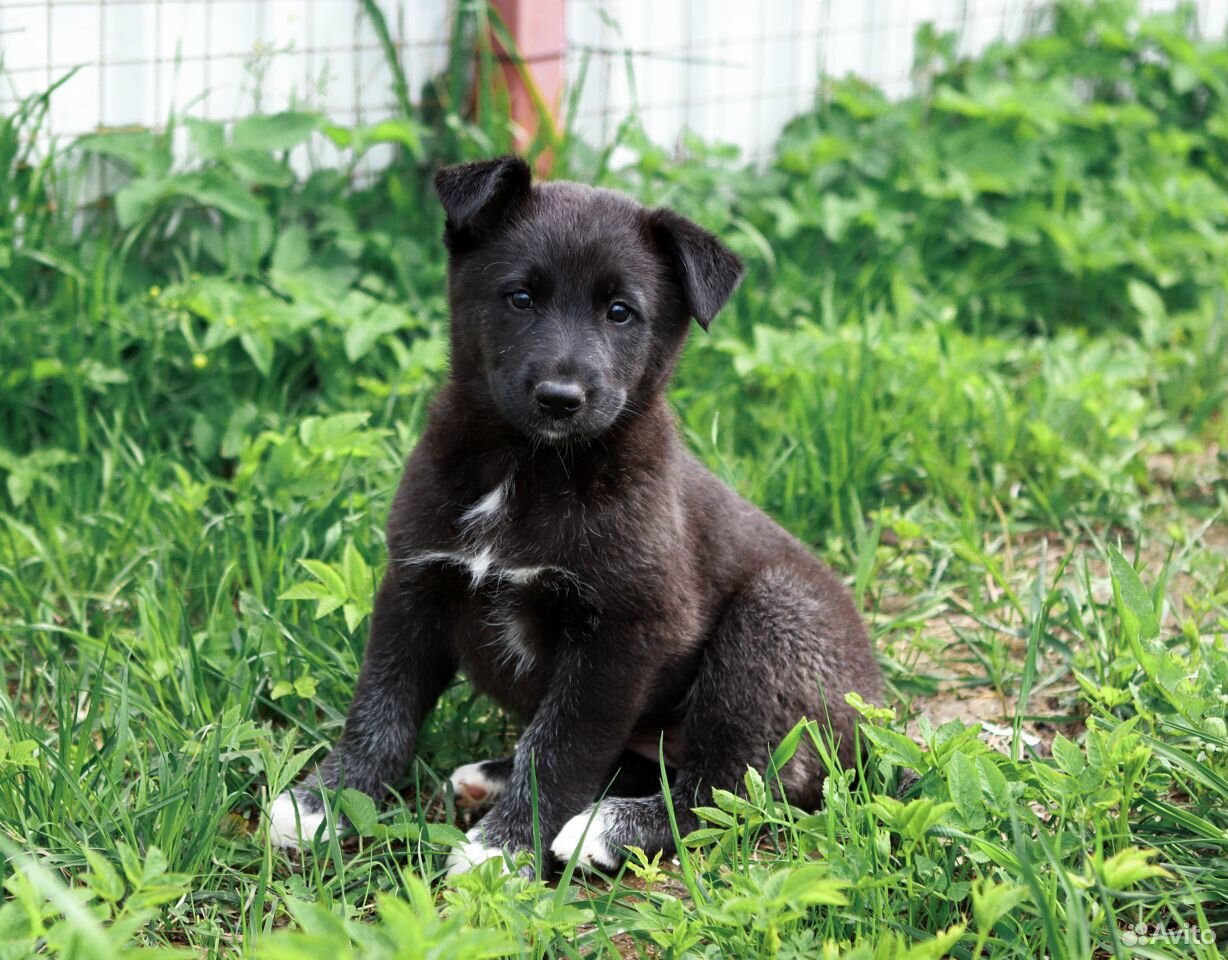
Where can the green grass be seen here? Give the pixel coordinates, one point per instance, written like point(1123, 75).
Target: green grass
point(1005, 429)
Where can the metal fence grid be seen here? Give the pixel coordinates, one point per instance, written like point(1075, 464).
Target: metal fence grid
point(738, 72)
point(139, 61)
point(725, 69)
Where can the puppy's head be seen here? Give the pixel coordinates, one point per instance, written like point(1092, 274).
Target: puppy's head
point(570, 305)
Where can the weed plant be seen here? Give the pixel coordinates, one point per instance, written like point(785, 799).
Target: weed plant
point(979, 362)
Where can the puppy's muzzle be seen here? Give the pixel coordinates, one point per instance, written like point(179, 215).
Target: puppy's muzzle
point(559, 400)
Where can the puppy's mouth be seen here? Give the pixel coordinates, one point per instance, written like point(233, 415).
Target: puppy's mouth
point(554, 433)
point(570, 431)
point(587, 423)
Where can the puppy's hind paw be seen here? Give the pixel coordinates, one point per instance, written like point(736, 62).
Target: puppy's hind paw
point(586, 836)
point(477, 785)
point(294, 819)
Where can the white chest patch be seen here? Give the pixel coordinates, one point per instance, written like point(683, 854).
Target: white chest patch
point(481, 565)
point(478, 547)
point(489, 508)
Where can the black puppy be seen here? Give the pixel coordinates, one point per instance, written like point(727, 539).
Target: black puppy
point(552, 538)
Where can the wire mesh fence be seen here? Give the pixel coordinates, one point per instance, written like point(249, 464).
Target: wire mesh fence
point(737, 72)
point(724, 69)
point(140, 61)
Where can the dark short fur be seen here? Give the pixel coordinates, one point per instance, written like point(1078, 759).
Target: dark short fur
point(627, 592)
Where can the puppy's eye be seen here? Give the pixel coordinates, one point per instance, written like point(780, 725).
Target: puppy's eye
point(619, 312)
point(521, 300)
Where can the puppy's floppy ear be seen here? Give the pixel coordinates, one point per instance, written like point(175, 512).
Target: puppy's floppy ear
point(475, 196)
point(707, 269)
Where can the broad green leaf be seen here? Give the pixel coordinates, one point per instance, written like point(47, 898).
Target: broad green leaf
point(259, 168)
point(964, 785)
point(154, 867)
point(935, 949)
point(359, 810)
point(812, 885)
point(308, 590)
point(356, 573)
point(354, 615)
point(922, 815)
point(1127, 868)
point(327, 575)
point(103, 878)
point(148, 153)
point(130, 862)
point(992, 901)
point(756, 793)
point(137, 199)
point(1146, 301)
point(279, 131)
point(363, 333)
point(327, 606)
point(19, 753)
point(895, 747)
point(729, 802)
point(208, 137)
point(1134, 605)
point(403, 131)
point(1069, 757)
point(155, 896)
point(259, 346)
point(292, 249)
point(220, 191)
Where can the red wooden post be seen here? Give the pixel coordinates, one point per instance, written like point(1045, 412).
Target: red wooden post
point(539, 29)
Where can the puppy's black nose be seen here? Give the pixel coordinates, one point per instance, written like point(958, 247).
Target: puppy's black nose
point(559, 400)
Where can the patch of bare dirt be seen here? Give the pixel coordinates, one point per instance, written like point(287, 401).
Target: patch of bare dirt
point(948, 633)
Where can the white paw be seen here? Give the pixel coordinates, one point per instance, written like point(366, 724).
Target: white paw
point(468, 855)
point(292, 826)
point(472, 788)
point(584, 836)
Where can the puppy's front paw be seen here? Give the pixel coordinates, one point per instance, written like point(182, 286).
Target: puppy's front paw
point(586, 836)
point(477, 785)
point(296, 817)
point(468, 855)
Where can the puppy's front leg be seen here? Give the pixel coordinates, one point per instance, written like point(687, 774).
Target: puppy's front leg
point(569, 747)
point(406, 667)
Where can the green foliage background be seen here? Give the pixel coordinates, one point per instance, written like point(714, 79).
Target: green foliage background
point(979, 361)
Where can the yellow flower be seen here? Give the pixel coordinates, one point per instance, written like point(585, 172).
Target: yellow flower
point(155, 291)
point(200, 361)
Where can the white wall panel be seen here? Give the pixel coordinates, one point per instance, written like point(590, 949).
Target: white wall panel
point(727, 69)
point(141, 60)
point(750, 66)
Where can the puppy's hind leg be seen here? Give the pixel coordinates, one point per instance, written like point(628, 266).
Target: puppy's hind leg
point(790, 645)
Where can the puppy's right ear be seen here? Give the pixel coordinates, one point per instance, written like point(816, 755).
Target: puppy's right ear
point(476, 196)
